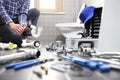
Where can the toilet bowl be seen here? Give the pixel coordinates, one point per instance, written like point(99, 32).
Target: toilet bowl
point(68, 27)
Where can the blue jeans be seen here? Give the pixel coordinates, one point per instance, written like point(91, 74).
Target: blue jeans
point(8, 35)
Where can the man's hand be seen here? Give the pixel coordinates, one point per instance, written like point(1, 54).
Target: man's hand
point(26, 28)
point(19, 29)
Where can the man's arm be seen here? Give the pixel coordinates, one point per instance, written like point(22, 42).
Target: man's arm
point(5, 17)
point(23, 11)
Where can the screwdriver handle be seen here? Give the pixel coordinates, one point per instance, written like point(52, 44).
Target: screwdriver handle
point(8, 66)
point(27, 64)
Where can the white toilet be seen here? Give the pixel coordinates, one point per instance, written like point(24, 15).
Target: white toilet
point(68, 27)
point(71, 27)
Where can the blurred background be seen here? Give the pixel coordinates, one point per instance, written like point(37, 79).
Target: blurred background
point(67, 12)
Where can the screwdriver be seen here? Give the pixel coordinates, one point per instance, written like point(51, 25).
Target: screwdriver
point(28, 63)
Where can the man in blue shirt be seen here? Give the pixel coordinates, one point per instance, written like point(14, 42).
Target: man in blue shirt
point(14, 16)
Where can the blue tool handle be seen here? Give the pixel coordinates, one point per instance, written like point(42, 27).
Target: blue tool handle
point(92, 65)
point(81, 61)
point(28, 64)
point(104, 68)
point(8, 66)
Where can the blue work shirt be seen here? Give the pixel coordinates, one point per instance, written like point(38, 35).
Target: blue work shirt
point(14, 9)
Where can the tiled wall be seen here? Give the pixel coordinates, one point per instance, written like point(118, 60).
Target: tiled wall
point(48, 21)
point(96, 3)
